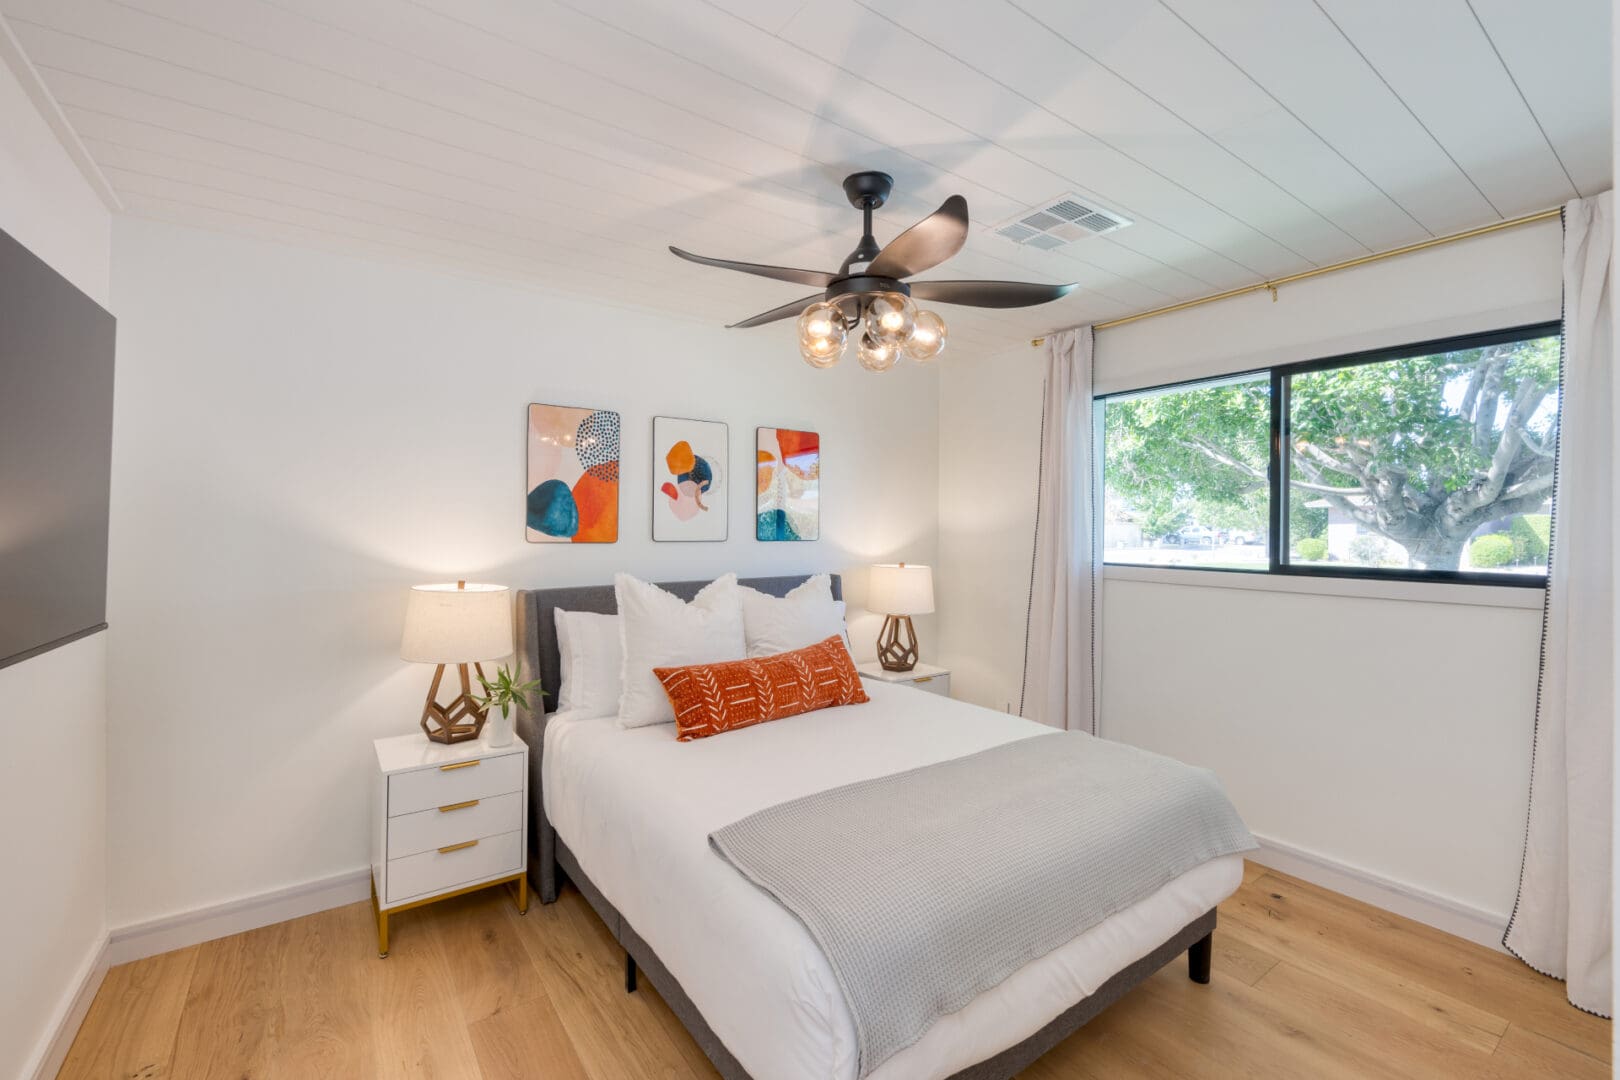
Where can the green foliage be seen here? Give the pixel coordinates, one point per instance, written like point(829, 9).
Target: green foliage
point(1530, 533)
point(1489, 552)
point(1311, 549)
point(1161, 518)
point(1305, 521)
point(1398, 415)
point(1158, 456)
point(504, 692)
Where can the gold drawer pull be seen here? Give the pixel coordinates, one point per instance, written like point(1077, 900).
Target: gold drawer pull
point(458, 806)
point(459, 765)
point(925, 678)
point(458, 847)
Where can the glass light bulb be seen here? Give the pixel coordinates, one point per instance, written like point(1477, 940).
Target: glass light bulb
point(823, 352)
point(822, 322)
point(927, 339)
point(875, 355)
point(890, 317)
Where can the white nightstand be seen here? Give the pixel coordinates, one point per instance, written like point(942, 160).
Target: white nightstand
point(446, 820)
point(935, 680)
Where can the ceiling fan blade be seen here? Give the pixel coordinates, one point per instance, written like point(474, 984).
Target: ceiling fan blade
point(926, 244)
point(991, 294)
point(818, 278)
point(786, 311)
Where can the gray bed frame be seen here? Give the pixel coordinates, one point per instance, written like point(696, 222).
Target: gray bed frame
point(538, 658)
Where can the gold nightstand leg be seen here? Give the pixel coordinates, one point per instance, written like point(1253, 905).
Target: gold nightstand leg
point(382, 923)
point(523, 894)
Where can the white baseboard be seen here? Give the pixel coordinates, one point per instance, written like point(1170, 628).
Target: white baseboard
point(155, 936)
point(1441, 912)
point(53, 1049)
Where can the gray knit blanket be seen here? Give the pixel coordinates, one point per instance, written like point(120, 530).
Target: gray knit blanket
point(928, 887)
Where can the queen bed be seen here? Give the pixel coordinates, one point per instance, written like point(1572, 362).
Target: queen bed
point(627, 813)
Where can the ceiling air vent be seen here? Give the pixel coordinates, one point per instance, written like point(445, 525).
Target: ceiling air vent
point(1060, 221)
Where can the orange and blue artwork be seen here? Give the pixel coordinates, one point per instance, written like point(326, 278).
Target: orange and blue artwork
point(573, 475)
point(789, 479)
point(689, 466)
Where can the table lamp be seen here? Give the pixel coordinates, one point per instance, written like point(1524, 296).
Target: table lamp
point(456, 624)
point(899, 591)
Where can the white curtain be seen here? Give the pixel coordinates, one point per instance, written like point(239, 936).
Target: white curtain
point(1560, 924)
point(1059, 687)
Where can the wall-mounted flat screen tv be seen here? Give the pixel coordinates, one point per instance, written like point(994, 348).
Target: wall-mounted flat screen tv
point(56, 395)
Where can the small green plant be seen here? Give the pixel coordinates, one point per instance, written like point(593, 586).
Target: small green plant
point(1490, 552)
point(504, 692)
point(1312, 549)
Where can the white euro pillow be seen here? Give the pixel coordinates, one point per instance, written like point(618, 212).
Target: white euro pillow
point(592, 662)
point(659, 629)
point(806, 615)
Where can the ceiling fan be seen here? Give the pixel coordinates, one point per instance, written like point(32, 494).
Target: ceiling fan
point(869, 291)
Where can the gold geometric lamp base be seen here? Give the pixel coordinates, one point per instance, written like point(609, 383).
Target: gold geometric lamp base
point(460, 721)
point(897, 644)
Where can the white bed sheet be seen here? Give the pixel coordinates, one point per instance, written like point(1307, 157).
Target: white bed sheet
point(636, 808)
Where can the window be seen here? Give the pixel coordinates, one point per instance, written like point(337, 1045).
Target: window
point(1433, 461)
point(1185, 475)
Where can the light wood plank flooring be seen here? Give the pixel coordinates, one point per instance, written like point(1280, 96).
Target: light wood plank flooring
point(1307, 984)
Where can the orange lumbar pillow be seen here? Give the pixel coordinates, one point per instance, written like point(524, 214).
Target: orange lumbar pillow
point(711, 698)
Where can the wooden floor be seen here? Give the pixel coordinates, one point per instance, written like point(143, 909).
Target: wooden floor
point(1307, 984)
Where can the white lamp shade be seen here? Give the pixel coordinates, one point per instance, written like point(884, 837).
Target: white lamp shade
point(900, 589)
point(445, 624)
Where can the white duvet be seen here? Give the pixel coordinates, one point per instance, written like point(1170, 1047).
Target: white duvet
point(636, 808)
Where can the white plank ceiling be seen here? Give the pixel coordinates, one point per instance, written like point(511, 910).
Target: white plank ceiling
point(565, 144)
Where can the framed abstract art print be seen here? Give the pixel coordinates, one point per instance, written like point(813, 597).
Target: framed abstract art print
point(691, 488)
point(573, 470)
point(789, 485)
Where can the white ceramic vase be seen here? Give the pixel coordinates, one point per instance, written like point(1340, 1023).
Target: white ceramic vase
point(499, 728)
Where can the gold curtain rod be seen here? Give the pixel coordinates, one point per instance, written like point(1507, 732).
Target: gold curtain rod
point(1272, 285)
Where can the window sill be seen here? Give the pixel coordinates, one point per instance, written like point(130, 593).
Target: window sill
point(1420, 592)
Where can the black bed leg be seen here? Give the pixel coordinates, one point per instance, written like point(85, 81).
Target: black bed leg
point(630, 974)
point(1198, 958)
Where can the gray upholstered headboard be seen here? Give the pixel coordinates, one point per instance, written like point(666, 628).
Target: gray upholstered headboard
point(537, 658)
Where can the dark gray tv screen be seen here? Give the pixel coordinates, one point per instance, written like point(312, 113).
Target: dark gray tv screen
point(56, 395)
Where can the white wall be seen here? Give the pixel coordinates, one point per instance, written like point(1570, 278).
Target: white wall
point(301, 436)
point(1390, 736)
point(53, 769)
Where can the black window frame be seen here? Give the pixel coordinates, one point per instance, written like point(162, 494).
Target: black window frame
point(1277, 468)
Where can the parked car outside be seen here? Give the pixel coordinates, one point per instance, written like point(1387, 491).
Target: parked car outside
point(1195, 536)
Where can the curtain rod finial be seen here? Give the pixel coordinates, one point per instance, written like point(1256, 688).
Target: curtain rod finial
point(1037, 342)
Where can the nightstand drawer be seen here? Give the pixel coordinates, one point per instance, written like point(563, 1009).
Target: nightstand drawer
point(429, 789)
point(934, 684)
point(435, 871)
point(411, 834)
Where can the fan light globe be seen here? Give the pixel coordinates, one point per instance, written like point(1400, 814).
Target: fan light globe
point(876, 356)
point(927, 338)
point(821, 322)
point(890, 318)
point(823, 352)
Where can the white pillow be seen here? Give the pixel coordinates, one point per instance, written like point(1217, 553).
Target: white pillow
point(658, 629)
point(592, 661)
point(806, 615)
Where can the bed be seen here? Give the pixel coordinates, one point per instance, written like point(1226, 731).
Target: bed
point(626, 814)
